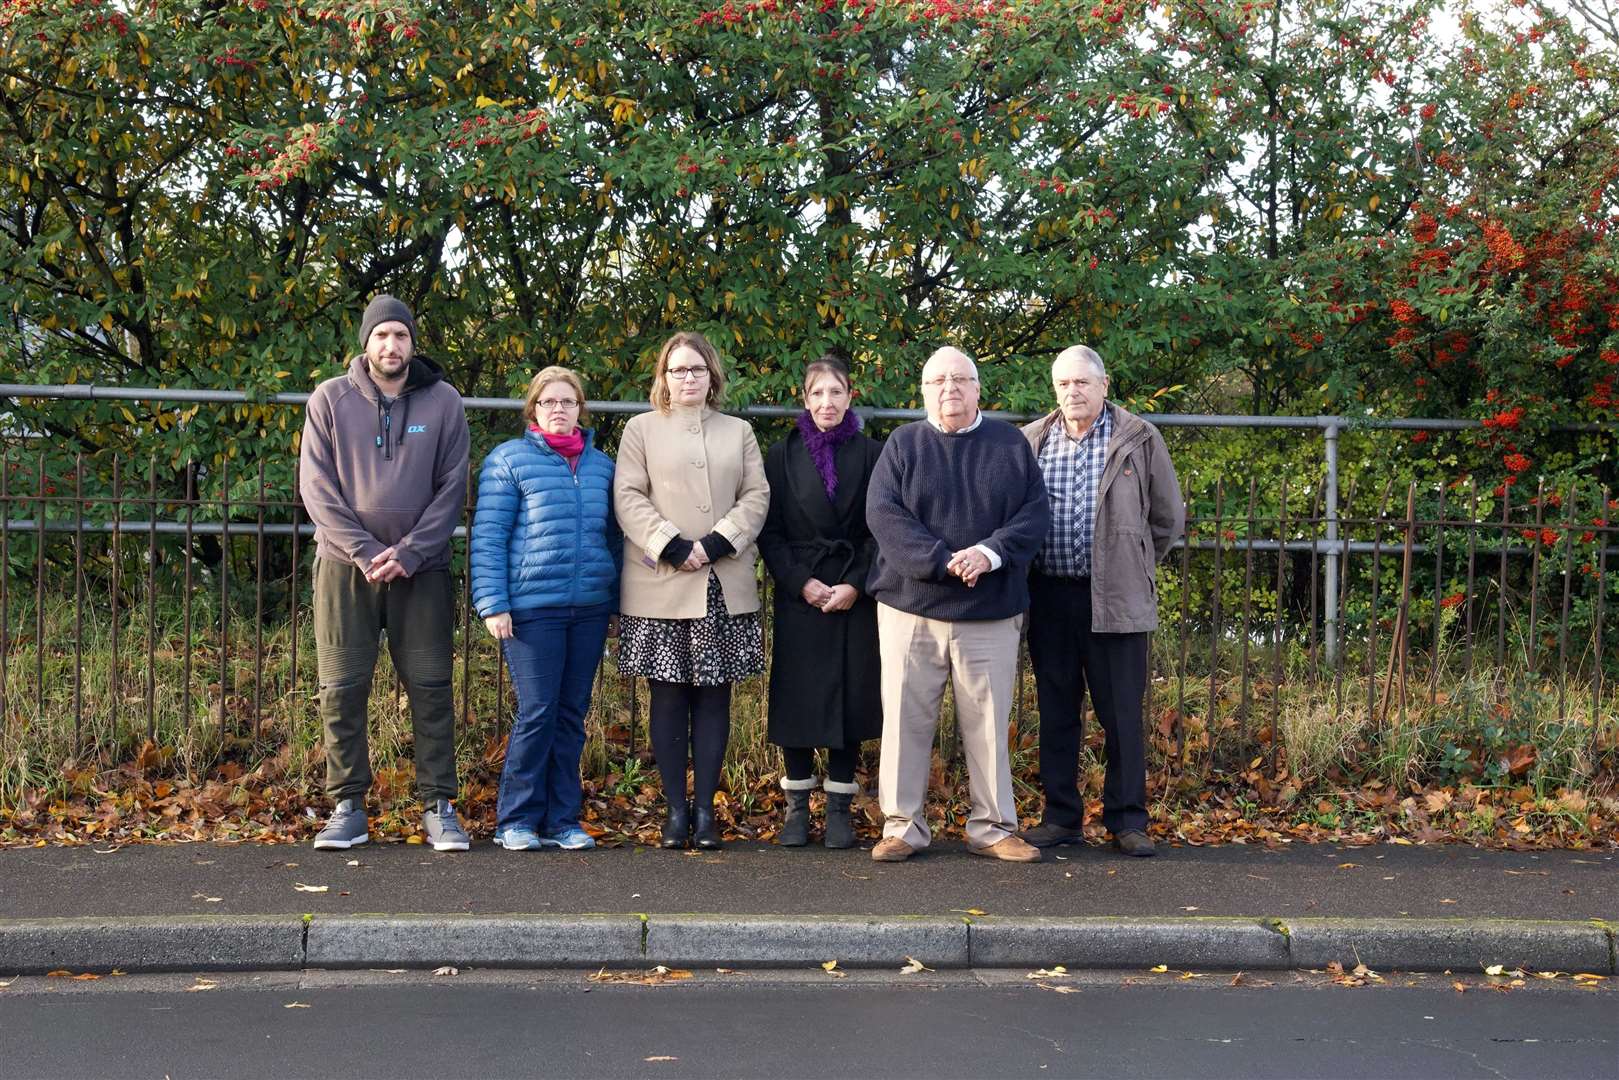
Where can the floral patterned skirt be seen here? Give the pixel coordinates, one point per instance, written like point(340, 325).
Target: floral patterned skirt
point(716, 649)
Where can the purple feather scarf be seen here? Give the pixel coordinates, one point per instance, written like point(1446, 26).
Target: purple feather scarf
point(823, 446)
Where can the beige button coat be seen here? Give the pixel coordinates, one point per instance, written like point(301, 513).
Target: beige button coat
point(686, 473)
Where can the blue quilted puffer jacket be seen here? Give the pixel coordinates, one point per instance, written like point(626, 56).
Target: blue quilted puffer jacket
point(542, 535)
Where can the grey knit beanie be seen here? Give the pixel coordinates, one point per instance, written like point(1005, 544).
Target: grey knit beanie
point(383, 309)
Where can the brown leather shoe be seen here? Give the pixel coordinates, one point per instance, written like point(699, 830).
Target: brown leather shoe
point(1010, 849)
point(1135, 842)
point(892, 849)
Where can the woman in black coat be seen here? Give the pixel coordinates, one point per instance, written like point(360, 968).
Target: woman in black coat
point(824, 668)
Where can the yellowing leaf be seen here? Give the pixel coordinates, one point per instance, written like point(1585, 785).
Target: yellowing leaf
point(295, 1005)
point(912, 966)
point(301, 887)
point(1160, 969)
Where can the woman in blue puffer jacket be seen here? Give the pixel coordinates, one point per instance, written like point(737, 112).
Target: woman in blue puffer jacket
point(545, 567)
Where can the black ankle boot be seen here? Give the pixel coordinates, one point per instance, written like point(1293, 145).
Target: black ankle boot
point(677, 826)
point(795, 826)
point(839, 826)
point(705, 829)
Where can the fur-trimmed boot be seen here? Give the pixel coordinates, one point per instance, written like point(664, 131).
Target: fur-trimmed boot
point(839, 828)
point(795, 826)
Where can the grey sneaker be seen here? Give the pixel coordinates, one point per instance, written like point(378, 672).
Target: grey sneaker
point(444, 832)
point(346, 828)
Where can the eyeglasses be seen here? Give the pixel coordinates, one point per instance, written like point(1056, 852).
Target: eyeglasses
point(954, 380)
point(680, 374)
point(547, 404)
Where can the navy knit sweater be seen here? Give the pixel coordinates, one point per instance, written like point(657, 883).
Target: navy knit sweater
point(933, 494)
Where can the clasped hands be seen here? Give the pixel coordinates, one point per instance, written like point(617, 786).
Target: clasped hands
point(385, 567)
point(969, 564)
point(697, 559)
point(829, 598)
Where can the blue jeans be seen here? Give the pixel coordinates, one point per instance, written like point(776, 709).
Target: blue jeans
point(552, 656)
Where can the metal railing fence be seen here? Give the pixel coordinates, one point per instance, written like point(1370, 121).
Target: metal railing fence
point(1352, 601)
point(1331, 427)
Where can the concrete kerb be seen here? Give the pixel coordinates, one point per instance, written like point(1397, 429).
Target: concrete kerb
point(775, 941)
point(532, 941)
point(290, 942)
point(147, 944)
point(1452, 944)
point(1115, 942)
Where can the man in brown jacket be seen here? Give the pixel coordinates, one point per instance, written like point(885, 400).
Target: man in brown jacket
point(1116, 510)
point(383, 475)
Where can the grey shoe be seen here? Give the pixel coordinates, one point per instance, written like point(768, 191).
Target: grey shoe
point(346, 828)
point(795, 824)
point(444, 832)
point(839, 825)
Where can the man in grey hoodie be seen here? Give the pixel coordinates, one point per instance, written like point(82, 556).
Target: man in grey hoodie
point(383, 475)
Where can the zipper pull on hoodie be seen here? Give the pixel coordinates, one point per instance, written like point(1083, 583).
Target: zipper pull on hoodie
point(385, 428)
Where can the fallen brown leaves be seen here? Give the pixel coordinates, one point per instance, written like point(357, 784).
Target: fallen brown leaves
point(278, 800)
point(1359, 975)
point(657, 976)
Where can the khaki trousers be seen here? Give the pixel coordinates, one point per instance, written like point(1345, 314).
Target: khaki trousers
point(979, 659)
point(419, 614)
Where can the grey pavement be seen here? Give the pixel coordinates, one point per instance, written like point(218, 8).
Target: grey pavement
point(1291, 881)
point(722, 1025)
point(248, 907)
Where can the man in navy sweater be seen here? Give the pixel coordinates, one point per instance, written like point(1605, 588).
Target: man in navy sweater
point(959, 511)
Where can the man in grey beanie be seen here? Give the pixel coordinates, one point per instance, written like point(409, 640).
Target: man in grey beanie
point(383, 475)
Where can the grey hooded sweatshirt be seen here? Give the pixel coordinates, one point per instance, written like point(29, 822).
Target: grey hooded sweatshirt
point(375, 473)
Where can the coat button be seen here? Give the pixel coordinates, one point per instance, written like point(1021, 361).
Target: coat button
point(702, 508)
point(695, 430)
point(698, 464)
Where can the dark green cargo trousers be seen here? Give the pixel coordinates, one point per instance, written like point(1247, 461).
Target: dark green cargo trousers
point(419, 615)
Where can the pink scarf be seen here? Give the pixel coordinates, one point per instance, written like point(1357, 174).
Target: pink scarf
point(570, 446)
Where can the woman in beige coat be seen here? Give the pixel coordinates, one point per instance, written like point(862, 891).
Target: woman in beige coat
point(690, 495)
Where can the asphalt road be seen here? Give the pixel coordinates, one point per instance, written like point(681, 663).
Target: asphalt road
point(1299, 880)
point(801, 1025)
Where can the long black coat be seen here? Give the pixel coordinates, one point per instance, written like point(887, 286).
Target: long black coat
point(824, 668)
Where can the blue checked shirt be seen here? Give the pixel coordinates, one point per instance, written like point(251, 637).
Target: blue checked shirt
point(1073, 472)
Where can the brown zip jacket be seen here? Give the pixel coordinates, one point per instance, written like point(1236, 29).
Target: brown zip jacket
point(1139, 516)
point(375, 474)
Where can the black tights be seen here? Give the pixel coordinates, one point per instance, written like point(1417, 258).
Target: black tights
point(840, 763)
point(694, 717)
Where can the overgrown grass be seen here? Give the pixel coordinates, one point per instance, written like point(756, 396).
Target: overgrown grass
point(1496, 727)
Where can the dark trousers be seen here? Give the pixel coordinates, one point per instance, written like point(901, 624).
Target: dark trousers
point(1067, 659)
point(689, 723)
point(350, 615)
point(799, 762)
point(552, 656)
